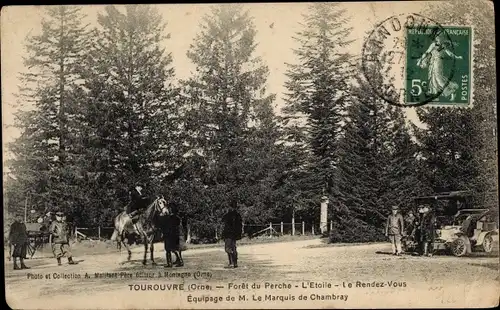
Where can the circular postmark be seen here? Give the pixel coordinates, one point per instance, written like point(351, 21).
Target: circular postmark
point(403, 60)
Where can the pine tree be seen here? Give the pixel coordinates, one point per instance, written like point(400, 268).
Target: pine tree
point(130, 112)
point(230, 117)
point(317, 93)
point(44, 154)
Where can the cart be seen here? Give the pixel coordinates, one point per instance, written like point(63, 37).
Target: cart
point(38, 237)
point(460, 228)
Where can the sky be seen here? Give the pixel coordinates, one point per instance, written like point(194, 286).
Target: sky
point(276, 24)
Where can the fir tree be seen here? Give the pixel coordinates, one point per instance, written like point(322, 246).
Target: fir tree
point(130, 114)
point(365, 162)
point(318, 90)
point(230, 117)
point(44, 161)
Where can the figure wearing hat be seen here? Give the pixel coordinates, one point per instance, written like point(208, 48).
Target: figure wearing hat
point(394, 229)
point(18, 238)
point(60, 242)
point(138, 202)
point(426, 230)
point(231, 233)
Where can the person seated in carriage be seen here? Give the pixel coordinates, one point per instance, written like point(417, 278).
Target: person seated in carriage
point(138, 202)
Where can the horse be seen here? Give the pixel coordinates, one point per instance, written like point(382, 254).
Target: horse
point(145, 227)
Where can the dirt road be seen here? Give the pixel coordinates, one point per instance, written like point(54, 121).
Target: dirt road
point(288, 273)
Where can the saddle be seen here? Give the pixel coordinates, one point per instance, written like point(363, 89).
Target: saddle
point(134, 216)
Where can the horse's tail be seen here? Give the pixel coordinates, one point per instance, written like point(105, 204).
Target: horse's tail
point(114, 236)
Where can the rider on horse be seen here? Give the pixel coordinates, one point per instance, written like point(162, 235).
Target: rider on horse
point(138, 203)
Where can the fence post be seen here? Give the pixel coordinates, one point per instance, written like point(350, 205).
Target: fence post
point(270, 229)
point(303, 228)
point(99, 232)
point(331, 225)
point(281, 228)
point(243, 229)
point(312, 229)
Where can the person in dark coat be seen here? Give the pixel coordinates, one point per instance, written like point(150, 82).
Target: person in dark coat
point(138, 202)
point(18, 238)
point(231, 233)
point(426, 230)
point(410, 224)
point(60, 239)
point(173, 237)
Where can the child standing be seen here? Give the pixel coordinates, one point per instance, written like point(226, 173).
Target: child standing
point(60, 242)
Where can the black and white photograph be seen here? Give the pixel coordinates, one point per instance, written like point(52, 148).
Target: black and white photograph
point(250, 155)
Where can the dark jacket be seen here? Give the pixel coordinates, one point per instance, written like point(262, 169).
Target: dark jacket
point(426, 227)
point(232, 225)
point(410, 225)
point(18, 233)
point(60, 232)
point(138, 201)
point(171, 226)
point(173, 232)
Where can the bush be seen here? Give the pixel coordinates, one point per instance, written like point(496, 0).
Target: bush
point(355, 230)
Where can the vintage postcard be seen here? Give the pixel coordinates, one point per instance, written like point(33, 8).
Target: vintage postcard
point(250, 155)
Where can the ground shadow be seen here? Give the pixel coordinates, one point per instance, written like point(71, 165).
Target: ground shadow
point(384, 252)
point(494, 266)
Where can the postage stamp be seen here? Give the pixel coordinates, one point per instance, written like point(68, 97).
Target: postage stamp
point(438, 65)
point(411, 60)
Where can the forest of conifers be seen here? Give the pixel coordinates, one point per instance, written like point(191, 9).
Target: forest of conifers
point(109, 112)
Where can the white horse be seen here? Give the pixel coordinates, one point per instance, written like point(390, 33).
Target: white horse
point(146, 227)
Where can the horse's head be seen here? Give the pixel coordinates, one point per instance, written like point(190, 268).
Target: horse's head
point(162, 206)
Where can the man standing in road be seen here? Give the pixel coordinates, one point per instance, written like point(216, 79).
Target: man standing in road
point(18, 238)
point(60, 242)
point(394, 229)
point(426, 228)
point(232, 232)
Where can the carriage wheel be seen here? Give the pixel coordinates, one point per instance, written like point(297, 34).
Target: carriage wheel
point(488, 243)
point(459, 247)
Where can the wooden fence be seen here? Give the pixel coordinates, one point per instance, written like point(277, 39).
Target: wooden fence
point(251, 230)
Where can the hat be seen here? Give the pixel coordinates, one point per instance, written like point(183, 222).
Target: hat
point(395, 208)
point(59, 213)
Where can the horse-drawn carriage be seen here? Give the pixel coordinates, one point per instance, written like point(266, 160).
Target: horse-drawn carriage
point(460, 228)
point(38, 237)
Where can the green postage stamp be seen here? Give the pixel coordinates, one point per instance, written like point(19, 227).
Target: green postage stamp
point(439, 66)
